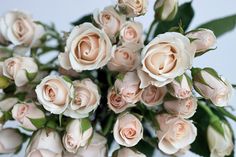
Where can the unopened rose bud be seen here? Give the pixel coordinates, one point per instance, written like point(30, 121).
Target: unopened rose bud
point(225, 146)
point(166, 9)
point(28, 115)
point(211, 86)
point(203, 39)
point(10, 140)
point(127, 152)
point(7, 104)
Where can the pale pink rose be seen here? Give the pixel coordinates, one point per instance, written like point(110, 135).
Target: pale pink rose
point(54, 93)
point(8, 103)
point(167, 56)
point(125, 58)
point(127, 152)
point(203, 39)
point(86, 99)
point(180, 88)
point(152, 95)
point(75, 136)
point(128, 130)
point(133, 8)
point(97, 147)
point(131, 32)
point(24, 113)
point(128, 87)
point(10, 140)
point(116, 103)
point(184, 108)
point(109, 20)
point(45, 143)
point(182, 151)
point(87, 48)
point(166, 9)
point(16, 68)
point(175, 133)
point(20, 29)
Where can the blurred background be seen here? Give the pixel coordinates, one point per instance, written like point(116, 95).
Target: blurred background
point(63, 12)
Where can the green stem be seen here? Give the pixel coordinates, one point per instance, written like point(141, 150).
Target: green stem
point(204, 106)
point(226, 113)
point(109, 124)
point(149, 31)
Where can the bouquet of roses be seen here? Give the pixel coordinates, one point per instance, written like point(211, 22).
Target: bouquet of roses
point(107, 86)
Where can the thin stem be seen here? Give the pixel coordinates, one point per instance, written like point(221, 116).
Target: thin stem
point(226, 113)
point(204, 106)
point(108, 125)
point(149, 31)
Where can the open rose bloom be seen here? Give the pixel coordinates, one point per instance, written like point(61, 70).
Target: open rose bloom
point(108, 86)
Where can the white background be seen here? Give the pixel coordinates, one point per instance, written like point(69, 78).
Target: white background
point(62, 12)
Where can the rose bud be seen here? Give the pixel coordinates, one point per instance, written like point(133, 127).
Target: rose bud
point(220, 145)
point(2, 121)
point(131, 32)
point(45, 142)
point(97, 147)
point(125, 58)
point(20, 69)
point(173, 55)
point(87, 48)
point(128, 87)
point(175, 133)
point(181, 87)
point(133, 8)
point(127, 152)
point(166, 10)
point(211, 86)
point(28, 115)
point(78, 134)
point(110, 21)
point(7, 104)
point(10, 140)
point(152, 95)
point(203, 39)
point(54, 93)
point(128, 130)
point(86, 99)
point(20, 29)
point(184, 108)
point(116, 103)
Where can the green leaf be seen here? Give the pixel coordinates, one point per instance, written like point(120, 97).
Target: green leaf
point(38, 123)
point(221, 26)
point(85, 124)
point(30, 76)
point(184, 15)
point(4, 82)
point(67, 79)
point(86, 18)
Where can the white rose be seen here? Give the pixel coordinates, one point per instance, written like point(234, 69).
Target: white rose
point(20, 69)
point(127, 152)
point(54, 93)
point(78, 134)
point(45, 143)
point(220, 145)
point(10, 140)
point(20, 29)
point(128, 130)
point(175, 133)
point(87, 48)
point(25, 113)
point(166, 9)
point(86, 99)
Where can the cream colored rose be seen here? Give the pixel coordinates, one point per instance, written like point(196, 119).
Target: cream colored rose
point(128, 87)
point(24, 113)
point(10, 140)
point(97, 147)
point(133, 8)
point(7, 104)
point(125, 58)
point(166, 9)
point(203, 39)
point(86, 99)
point(109, 20)
point(152, 95)
point(116, 103)
point(131, 32)
point(54, 93)
point(45, 143)
point(87, 48)
point(20, 69)
point(219, 145)
point(167, 56)
point(128, 130)
point(78, 134)
point(184, 108)
point(127, 152)
point(20, 29)
point(175, 133)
